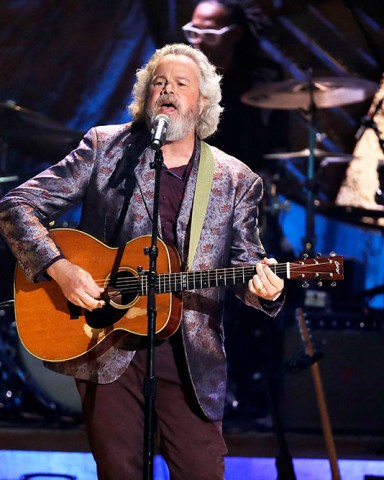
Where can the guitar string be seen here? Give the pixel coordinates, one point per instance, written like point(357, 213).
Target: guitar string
point(134, 283)
point(238, 272)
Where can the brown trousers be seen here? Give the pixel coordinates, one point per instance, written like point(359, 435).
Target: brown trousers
point(192, 446)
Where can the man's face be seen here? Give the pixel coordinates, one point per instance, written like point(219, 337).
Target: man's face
point(174, 91)
point(214, 16)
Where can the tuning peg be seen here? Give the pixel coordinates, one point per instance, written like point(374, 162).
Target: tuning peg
point(305, 256)
point(318, 255)
point(332, 254)
point(305, 284)
point(319, 283)
point(333, 284)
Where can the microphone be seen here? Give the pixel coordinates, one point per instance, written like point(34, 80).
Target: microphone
point(367, 120)
point(159, 131)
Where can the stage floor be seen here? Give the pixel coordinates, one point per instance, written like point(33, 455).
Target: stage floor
point(14, 464)
point(64, 449)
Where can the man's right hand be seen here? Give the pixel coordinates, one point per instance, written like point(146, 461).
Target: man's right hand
point(77, 284)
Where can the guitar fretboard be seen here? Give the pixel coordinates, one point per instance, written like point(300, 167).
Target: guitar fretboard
point(318, 269)
point(221, 277)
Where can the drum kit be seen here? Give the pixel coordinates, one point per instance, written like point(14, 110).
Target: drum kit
point(28, 390)
point(34, 133)
point(309, 95)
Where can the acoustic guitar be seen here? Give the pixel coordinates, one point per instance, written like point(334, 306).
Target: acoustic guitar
point(320, 395)
point(53, 329)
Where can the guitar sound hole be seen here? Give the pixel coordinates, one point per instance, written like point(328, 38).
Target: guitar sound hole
point(121, 291)
point(122, 288)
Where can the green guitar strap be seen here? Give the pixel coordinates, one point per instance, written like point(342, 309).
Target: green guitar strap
point(201, 198)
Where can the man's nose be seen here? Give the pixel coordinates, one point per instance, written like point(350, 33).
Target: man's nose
point(168, 87)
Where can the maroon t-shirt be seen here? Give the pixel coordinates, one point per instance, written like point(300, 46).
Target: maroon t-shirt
point(172, 185)
point(170, 352)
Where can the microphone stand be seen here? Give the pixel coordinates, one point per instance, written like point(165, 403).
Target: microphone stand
point(150, 380)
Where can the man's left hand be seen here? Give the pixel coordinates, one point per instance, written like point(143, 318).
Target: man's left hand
point(265, 283)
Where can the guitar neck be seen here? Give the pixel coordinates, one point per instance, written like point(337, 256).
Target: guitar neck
point(221, 277)
point(321, 268)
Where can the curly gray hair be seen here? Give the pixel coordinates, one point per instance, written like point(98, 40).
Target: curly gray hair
point(209, 84)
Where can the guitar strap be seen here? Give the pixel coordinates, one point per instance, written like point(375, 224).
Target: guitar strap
point(201, 198)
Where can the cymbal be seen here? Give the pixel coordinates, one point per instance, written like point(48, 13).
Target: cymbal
point(295, 94)
point(9, 178)
point(369, 218)
point(35, 133)
point(318, 153)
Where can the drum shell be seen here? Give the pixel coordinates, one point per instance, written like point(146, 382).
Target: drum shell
point(61, 389)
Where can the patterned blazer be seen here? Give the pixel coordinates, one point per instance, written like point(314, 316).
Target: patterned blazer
point(110, 165)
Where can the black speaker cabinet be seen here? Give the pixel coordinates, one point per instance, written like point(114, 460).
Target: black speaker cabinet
point(351, 371)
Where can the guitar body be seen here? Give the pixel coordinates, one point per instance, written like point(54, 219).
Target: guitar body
point(52, 329)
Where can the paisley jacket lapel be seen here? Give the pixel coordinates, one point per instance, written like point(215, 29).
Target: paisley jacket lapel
point(145, 178)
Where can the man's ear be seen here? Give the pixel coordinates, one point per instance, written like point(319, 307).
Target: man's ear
point(203, 101)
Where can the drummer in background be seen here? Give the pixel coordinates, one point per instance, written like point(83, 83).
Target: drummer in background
point(233, 46)
point(229, 32)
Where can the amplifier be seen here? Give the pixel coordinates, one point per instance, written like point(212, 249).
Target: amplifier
point(351, 371)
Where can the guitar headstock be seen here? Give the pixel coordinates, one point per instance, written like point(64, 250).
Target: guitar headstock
point(329, 268)
point(304, 331)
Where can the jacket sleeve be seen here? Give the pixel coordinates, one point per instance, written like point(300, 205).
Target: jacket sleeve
point(25, 212)
point(246, 246)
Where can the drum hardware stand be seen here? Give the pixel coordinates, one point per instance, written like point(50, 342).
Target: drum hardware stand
point(284, 464)
point(309, 239)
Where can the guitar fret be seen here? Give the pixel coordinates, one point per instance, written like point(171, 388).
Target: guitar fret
point(180, 281)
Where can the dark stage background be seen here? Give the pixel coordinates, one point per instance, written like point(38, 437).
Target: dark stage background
point(71, 64)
